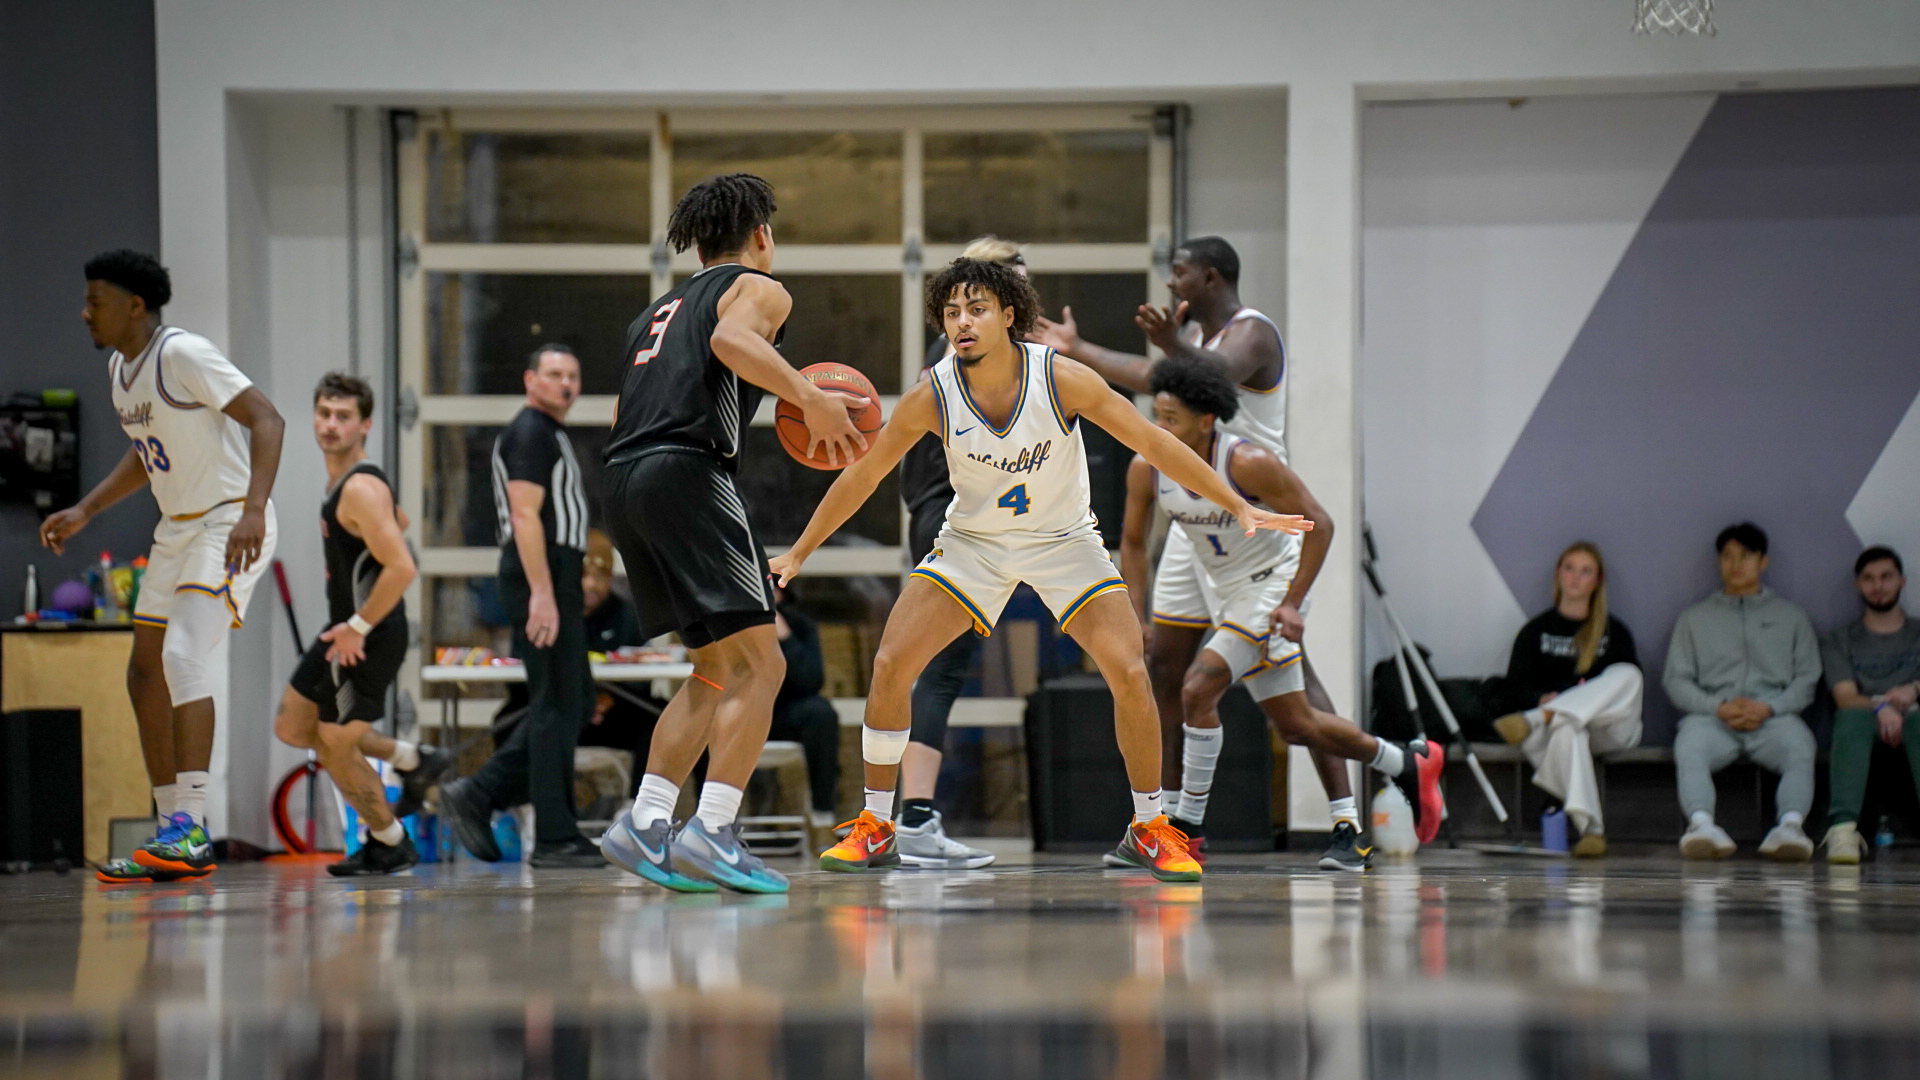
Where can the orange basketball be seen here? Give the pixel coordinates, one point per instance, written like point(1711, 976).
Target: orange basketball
point(791, 425)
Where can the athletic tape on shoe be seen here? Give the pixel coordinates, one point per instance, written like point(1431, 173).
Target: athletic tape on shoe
point(882, 747)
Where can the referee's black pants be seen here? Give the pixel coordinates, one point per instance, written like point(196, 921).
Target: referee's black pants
point(535, 764)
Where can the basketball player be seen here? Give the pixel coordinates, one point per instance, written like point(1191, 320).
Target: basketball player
point(207, 442)
point(698, 362)
point(1009, 414)
point(340, 688)
point(1210, 323)
point(1255, 588)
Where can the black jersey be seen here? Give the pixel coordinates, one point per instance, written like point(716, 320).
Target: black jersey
point(676, 391)
point(351, 568)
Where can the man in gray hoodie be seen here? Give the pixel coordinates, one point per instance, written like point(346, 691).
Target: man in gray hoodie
point(1743, 663)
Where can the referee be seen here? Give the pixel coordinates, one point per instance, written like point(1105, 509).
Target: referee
point(542, 512)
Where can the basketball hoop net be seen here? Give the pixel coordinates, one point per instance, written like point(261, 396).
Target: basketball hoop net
point(1674, 17)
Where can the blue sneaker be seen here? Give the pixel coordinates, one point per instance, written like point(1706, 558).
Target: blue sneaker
point(720, 856)
point(646, 852)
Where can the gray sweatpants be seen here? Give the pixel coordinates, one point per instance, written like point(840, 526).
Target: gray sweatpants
point(1783, 744)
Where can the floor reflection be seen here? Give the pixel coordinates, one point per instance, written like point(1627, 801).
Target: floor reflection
point(1457, 966)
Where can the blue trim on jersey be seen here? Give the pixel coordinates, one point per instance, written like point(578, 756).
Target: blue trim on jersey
point(1182, 620)
point(960, 376)
point(940, 402)
point(150, 620)
point(1053, 396)
point(160, 384)
point(1074, 608)
point(1245, 633)
point(979, 620)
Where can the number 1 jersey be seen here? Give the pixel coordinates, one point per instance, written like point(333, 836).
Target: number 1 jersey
point(1027, 477)
point(675, 391)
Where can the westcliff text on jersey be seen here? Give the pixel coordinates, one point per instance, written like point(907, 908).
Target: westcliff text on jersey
point(1029, 459)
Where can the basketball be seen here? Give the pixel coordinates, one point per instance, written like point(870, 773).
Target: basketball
point(791, 425)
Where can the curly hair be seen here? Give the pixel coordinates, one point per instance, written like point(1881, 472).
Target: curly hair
point(138, 273)
point(1005, 283)
point(1198, 384)
point(717, 215)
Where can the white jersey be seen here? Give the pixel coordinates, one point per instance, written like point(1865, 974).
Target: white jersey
point(1263, 413)
point(1221, 549)
point(1029, 477)
point(169, 400)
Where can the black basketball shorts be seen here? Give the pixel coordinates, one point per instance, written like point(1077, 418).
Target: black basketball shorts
point(691, 556)
point(352, 693)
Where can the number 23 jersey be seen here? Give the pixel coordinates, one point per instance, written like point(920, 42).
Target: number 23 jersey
point(169, 400)
point(1028, 477)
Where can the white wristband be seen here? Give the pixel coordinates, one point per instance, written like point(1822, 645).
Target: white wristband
point(360, 625)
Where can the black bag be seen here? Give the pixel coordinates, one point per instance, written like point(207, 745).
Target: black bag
point(1476, 703)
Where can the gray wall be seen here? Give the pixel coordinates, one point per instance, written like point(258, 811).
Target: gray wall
point(79, 135)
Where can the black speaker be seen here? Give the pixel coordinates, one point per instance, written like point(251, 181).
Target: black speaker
point(1080, 799)
point(41, 813)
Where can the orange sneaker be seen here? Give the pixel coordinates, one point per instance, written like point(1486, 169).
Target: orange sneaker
point(1161, 849)
point(869, 846)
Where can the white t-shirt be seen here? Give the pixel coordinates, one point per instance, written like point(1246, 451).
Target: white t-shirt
point(169, 400)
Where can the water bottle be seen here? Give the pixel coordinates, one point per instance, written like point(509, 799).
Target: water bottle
point(30, 598)
point(1553, 829)
point(1393, 823)
point(1883, 833)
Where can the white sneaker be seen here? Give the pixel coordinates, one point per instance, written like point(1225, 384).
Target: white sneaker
point(1706, 841)
point(1787, 843)
point(929, 847)
point(1844, 845)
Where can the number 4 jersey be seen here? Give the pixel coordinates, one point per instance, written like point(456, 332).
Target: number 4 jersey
point(169, 400)
point(1028, 477)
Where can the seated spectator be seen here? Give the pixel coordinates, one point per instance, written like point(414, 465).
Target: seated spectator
point(1575, 664)
point(1873, 666)
point(800, 714)
point(1742, 665)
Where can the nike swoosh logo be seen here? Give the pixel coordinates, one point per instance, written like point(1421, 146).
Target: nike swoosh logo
point(652, 855)
point(876, 844)
point(964, 430)
point(731, 858)
point(1151, 852)
point(1364, 850)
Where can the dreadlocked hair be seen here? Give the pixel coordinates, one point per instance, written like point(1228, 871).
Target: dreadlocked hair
point(717, 215)
point(1200, 385)
point(970, 277)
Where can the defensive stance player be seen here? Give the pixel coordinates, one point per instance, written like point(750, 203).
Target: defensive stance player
point(1009, 414)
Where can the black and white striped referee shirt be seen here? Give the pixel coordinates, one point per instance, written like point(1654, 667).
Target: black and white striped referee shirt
point(535, 448)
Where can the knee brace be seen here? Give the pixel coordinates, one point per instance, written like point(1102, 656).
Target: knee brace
point(882, 747)
point(194, 629)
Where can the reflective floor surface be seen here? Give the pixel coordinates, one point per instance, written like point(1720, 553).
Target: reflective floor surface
point(1461, 965)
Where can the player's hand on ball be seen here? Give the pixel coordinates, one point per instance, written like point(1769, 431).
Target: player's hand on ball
point(58, 527)
point(784, 567)
point(345, 645)
point(1253, 518)
point(249, 535)
point(828, 422)
point(1287, 621)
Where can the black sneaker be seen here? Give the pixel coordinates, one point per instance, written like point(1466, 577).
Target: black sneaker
point(469, 813)
point(375, 857)
point(435, 765)
point(1344, 851)
point(576, 852)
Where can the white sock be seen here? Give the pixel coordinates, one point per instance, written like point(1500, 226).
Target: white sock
point(391, 835)
point(655, 801)
point(1791, 817)
point(1146, 806)
point(191, 796)
point(719, 804)
point(1172, 804)
point(1699, 819)
point(406, 758)
point(1390, 759)
point(166, 799)
point(1344, 810)
point(1197, 763)
point(880, 804)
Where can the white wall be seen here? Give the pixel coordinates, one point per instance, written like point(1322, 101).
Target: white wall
point(221, 64)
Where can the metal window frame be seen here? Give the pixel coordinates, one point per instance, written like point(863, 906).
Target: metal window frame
point(415, 258)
